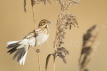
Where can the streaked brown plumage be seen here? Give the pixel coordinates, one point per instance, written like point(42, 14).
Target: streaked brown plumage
point(21, 47)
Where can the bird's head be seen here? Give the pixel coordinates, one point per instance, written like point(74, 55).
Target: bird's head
point(44, 23)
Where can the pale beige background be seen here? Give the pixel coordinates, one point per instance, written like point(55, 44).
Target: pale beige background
point(15, 24)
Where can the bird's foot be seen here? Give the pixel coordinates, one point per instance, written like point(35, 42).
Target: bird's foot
point(37, 50)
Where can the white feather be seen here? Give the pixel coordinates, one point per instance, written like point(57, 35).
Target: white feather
point(11, 42)
point(24, 44)
point(22, 61)
point(31, 41)
point(42, 37)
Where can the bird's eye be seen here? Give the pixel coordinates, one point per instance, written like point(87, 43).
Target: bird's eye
point(40, 24)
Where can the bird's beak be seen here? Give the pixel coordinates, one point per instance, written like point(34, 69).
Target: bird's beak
point(49, 22)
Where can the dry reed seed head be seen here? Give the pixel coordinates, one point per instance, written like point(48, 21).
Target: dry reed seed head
point(85, 62)
point(60, 42)
point(66, 3)
point(62, 35)
point(91, 29)
point(67, 20)
point(89, 35)
point(64, 20)
point(86, 50)
point(61, 56)
point(43, 1)
point(88, 38)
point(59, 49)
point(63, 51)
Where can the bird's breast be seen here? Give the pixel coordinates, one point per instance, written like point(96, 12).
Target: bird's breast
point(42, 37)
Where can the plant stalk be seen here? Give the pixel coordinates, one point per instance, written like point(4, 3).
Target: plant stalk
point(34, 20)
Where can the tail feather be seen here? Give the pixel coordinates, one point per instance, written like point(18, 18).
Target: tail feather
point(11, 42)
point(15, 55)
point(21, 54)
point(21, 49)
point(12, 50)
point(22, 61)
point(13, 45)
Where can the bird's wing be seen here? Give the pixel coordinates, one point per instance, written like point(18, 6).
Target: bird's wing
point(34, 33)
point(30, 35)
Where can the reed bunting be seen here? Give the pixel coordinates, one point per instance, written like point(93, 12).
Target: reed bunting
point(34, 38)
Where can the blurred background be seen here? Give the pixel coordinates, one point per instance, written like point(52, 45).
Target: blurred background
point(15, 24)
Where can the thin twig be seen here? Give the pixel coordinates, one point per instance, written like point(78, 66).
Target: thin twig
point(34, 20)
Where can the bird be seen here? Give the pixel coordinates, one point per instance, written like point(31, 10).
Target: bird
point(32, 39)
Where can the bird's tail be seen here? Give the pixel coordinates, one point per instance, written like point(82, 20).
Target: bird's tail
point(20, 48)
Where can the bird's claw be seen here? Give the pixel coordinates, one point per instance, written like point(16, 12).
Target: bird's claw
point(37, 50)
